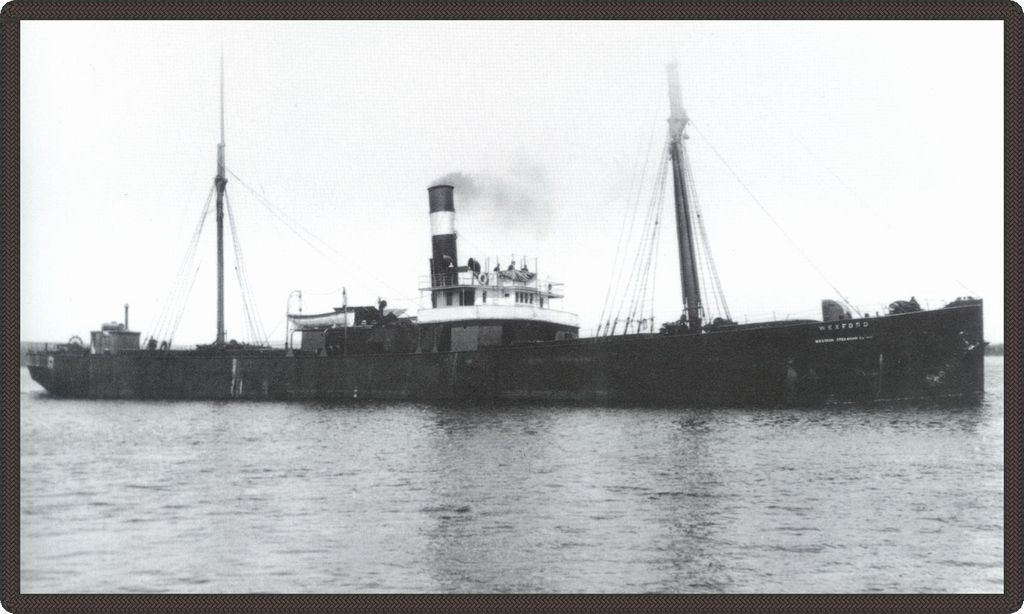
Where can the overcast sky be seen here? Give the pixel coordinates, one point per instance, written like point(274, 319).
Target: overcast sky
point(877, 146)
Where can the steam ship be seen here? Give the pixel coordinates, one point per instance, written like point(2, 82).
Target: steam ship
point(496, 333)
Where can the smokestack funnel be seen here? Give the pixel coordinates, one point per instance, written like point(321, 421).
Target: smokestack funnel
point(126, 316)
point(445, 261)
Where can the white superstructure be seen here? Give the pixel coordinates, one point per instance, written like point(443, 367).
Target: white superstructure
point(497, 294)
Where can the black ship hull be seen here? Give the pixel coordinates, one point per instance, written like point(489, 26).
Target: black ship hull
point(935, 353)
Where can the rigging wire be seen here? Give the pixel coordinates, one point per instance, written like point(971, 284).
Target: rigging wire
point(616, 268)
point(860, 200)
point(633, 306)
point(650, 277)
point(331, 293)
point(700, 252)
point(310, 238)
point(177, 321)
point(640, 301)
point(621, 269)
point(653, 281)
point(630, 301)
point(177, 298)
point(168, 308)
point(718, 292)
point(255, 329)
point(764, 209)
point(653, 226)
point(276, 327)
point(242, 269)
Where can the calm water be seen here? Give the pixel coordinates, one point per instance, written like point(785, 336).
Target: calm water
point(272, 497)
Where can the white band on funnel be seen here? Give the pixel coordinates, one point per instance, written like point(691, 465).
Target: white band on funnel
point(442, 223)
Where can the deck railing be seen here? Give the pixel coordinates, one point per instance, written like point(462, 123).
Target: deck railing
point(520, 280)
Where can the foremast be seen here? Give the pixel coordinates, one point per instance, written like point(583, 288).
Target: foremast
point(221, 182)
point(693, 309)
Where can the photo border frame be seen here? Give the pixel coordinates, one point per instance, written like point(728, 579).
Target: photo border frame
point(13, 13)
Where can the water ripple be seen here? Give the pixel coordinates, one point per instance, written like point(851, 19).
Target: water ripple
point(277, 497)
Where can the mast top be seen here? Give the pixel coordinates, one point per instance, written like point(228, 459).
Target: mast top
point(677, 119)
point(221, 179)
point(692, 306)
point(222, 97)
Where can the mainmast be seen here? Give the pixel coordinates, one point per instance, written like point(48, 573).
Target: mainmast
point(692, 307)
point(221, 182)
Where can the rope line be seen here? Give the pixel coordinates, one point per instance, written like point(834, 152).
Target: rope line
point(782, 230)
point(631, 306)
point(718, 292)
point(255, 331)
point(177, 321)
point(311, 239)
point(879, 215)
point(617, 268)
point(177, 299)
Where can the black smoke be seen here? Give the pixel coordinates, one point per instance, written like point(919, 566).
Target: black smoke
point(517, 199)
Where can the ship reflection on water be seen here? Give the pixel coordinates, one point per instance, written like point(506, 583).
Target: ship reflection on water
point(239, 497)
